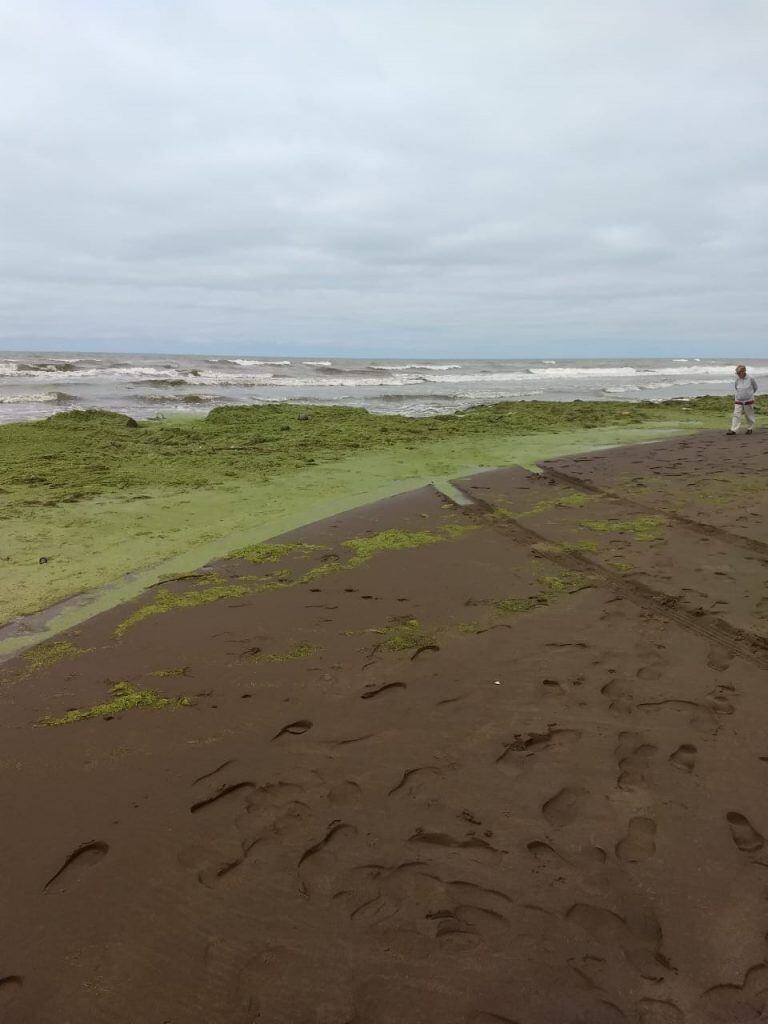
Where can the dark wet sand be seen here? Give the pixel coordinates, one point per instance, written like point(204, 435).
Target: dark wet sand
point(517, 775)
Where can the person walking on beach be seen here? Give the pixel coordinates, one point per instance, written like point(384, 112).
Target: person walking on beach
point(746, 389)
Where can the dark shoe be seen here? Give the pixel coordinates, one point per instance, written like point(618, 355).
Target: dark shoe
point(730, 433)
point(749, 431)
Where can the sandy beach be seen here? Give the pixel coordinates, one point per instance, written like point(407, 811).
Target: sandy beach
point(498, 759)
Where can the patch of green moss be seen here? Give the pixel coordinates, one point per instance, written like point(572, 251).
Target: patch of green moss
point(513, 605)
point(49, 654)
point(292, 654)
point(502, 515)
point(643, 528)
point(576, 500)
point(169, 600)
point(567, 582)
point(170, 673)
point(365, 548)
point(403, 635)
point(620, 566)
point(322, 570)
point(125, 698)
point(568, 547)
point(273, 552)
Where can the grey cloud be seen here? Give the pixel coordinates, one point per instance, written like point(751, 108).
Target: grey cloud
point(482, 177)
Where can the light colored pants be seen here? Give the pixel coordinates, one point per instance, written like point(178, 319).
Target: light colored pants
point(746, 410)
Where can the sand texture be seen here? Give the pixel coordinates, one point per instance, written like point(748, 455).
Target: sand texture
point(420, 763)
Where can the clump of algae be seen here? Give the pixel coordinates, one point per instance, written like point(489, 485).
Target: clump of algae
point(512, 605)
point(567, 582)
point(169, 600)
point(125, 698)
point(292, 654)
point(568, 547)
point(46, 655)
point(403, 635)
point(642, 528)
point(274, 552)
point(365, 548)
point(577, 499)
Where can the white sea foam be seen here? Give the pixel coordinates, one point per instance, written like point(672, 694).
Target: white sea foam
point(260, 362)
point(317, 362)
point(35, 397)
point(396, 367)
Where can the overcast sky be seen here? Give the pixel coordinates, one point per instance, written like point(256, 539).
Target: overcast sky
point(375, 177)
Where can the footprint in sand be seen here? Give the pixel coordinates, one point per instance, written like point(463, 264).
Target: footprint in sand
point(484, 1017)
point(565, 806)
point(386, 688)
point(718, 700)
point(738, 1002)
point(747, 838)
point(523, 745)
point(620, 696)
point(649, 674)
point(660, 1011)
point(294, 728)
point(639, 843)
point(640, 939)
point(72, 868)
point(10, 987)
point(719, 658)
point(634, 760)
point(684, 758)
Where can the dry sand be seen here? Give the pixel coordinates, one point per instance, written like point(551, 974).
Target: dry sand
point(497, 763)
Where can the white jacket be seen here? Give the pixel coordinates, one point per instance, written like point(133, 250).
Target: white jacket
point(746, 389)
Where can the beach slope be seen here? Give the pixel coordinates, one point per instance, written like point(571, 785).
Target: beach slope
point(420, 762)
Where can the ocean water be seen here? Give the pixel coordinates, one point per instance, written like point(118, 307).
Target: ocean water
point(34, 385)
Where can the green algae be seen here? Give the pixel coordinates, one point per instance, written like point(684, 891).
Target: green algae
point(292, 654)
point(170, 673)
point(513, 605)
point(110, 499)
point(577, 499)
point(365, 548)
point(403, 634)
point(213, 588)
point(169, 600)
point(252, 442)
point(642, 528)
point(567, 582)
point(46, 655)
point(125, 698)
point(274, 552)
point(575, 547)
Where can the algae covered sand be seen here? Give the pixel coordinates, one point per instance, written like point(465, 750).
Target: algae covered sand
point(86, 497)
